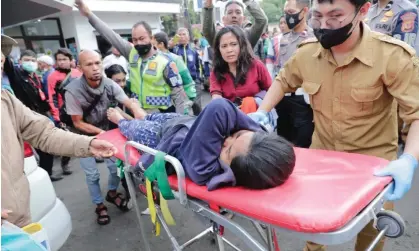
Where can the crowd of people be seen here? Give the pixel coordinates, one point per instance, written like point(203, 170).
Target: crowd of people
point(337, 75)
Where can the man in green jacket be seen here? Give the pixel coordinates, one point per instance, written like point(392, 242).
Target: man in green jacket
point(234, 15)
point(154, 76)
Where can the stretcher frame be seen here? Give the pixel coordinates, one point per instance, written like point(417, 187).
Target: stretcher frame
point(266, 231)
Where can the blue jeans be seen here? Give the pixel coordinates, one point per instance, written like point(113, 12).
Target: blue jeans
point(89, 167)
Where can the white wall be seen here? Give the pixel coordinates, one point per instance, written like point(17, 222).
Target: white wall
point(67, 25)
point(84, 32)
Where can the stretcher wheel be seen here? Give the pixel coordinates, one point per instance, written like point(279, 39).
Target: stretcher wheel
point(394, 221)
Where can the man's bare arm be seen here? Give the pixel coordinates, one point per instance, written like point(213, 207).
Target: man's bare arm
point(412, 140)
point(85, 127)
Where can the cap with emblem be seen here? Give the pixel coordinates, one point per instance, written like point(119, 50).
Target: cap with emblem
point(7, 44)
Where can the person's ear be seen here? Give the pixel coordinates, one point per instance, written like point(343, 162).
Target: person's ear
point(224, 19)
point(363, 11)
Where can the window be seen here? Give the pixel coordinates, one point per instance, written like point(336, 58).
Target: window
point(43, 28)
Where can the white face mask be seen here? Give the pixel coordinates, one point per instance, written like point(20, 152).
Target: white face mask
point(30, 66)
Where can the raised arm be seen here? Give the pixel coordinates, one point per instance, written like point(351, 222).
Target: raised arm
point(122, 45)
point(261, 21)
point(208, 26)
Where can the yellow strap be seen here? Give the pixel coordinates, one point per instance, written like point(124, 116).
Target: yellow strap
point(151, 207)
point(166, 212)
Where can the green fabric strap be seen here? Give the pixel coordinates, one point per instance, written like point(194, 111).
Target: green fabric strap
point(157, 171)
point(120, 166)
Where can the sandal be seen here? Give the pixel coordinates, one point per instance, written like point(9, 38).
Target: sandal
point(123, 204)
point(102, 219)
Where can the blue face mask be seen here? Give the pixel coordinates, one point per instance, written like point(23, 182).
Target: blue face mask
point(29, 66)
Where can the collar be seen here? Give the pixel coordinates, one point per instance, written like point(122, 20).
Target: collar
point(363, 51)
point(94, 91)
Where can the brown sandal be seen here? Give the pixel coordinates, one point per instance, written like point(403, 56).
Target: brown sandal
point(102, 219)
point(123, 204)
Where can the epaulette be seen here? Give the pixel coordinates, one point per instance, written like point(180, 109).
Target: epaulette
point(308, 41)
point(395, 41)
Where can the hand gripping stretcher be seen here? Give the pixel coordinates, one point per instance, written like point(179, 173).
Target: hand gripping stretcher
point(329, 199)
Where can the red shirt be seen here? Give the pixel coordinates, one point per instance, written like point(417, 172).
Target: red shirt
point(257, 79)
point(55, 100)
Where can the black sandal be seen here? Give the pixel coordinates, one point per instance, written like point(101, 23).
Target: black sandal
point(102, 219)
point(123, 205)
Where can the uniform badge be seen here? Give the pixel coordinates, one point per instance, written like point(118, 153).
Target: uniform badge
point(136, 57)
point(384, 19)
point(152, 66)
point(408, 21)
point(389, 13)
point(291, 20)
point(173, 66)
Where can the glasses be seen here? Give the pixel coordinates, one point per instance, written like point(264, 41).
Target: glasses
point(331, 23)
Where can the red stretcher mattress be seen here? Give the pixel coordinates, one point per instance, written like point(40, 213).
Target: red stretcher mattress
point(326, 190)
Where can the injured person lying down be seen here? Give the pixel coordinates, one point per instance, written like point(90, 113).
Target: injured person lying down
point(220, 147)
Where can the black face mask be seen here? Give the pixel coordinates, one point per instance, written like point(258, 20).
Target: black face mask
point(293, 19)
point(143, 49)
point(329, 38)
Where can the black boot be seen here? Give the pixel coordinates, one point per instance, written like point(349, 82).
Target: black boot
point(65, 161)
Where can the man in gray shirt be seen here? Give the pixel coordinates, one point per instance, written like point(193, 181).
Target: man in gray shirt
point(234, 15)
point(87, 100)
point(154, 76)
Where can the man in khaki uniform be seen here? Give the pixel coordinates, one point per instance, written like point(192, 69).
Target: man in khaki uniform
point(354, 77)
point(19, 124)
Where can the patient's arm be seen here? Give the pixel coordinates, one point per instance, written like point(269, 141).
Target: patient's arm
point(201, 148)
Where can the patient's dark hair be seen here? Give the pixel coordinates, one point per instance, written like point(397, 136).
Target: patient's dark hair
point(268, 163)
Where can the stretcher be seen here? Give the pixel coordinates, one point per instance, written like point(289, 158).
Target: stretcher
point(329, 199)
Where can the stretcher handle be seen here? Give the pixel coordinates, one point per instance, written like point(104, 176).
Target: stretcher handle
point(180, 173)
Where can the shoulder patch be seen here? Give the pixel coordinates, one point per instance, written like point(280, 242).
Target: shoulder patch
point(395, 41)
point(308, 41)
point(415, 61)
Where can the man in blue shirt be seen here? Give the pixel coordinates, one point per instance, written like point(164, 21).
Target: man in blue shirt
point(222, 146)
point(191, 58)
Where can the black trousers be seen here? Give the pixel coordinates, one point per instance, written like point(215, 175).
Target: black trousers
point(295, 120)
point(46, 161)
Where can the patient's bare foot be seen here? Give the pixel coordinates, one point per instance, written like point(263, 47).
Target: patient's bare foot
point(114, 116)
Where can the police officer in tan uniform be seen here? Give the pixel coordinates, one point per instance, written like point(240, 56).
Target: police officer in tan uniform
point(396, 18)
point(296, 120)
point(399, 19)
point(354, 77)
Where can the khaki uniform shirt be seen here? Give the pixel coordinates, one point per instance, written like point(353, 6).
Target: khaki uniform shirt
point(354, 103)
point(19, 124)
